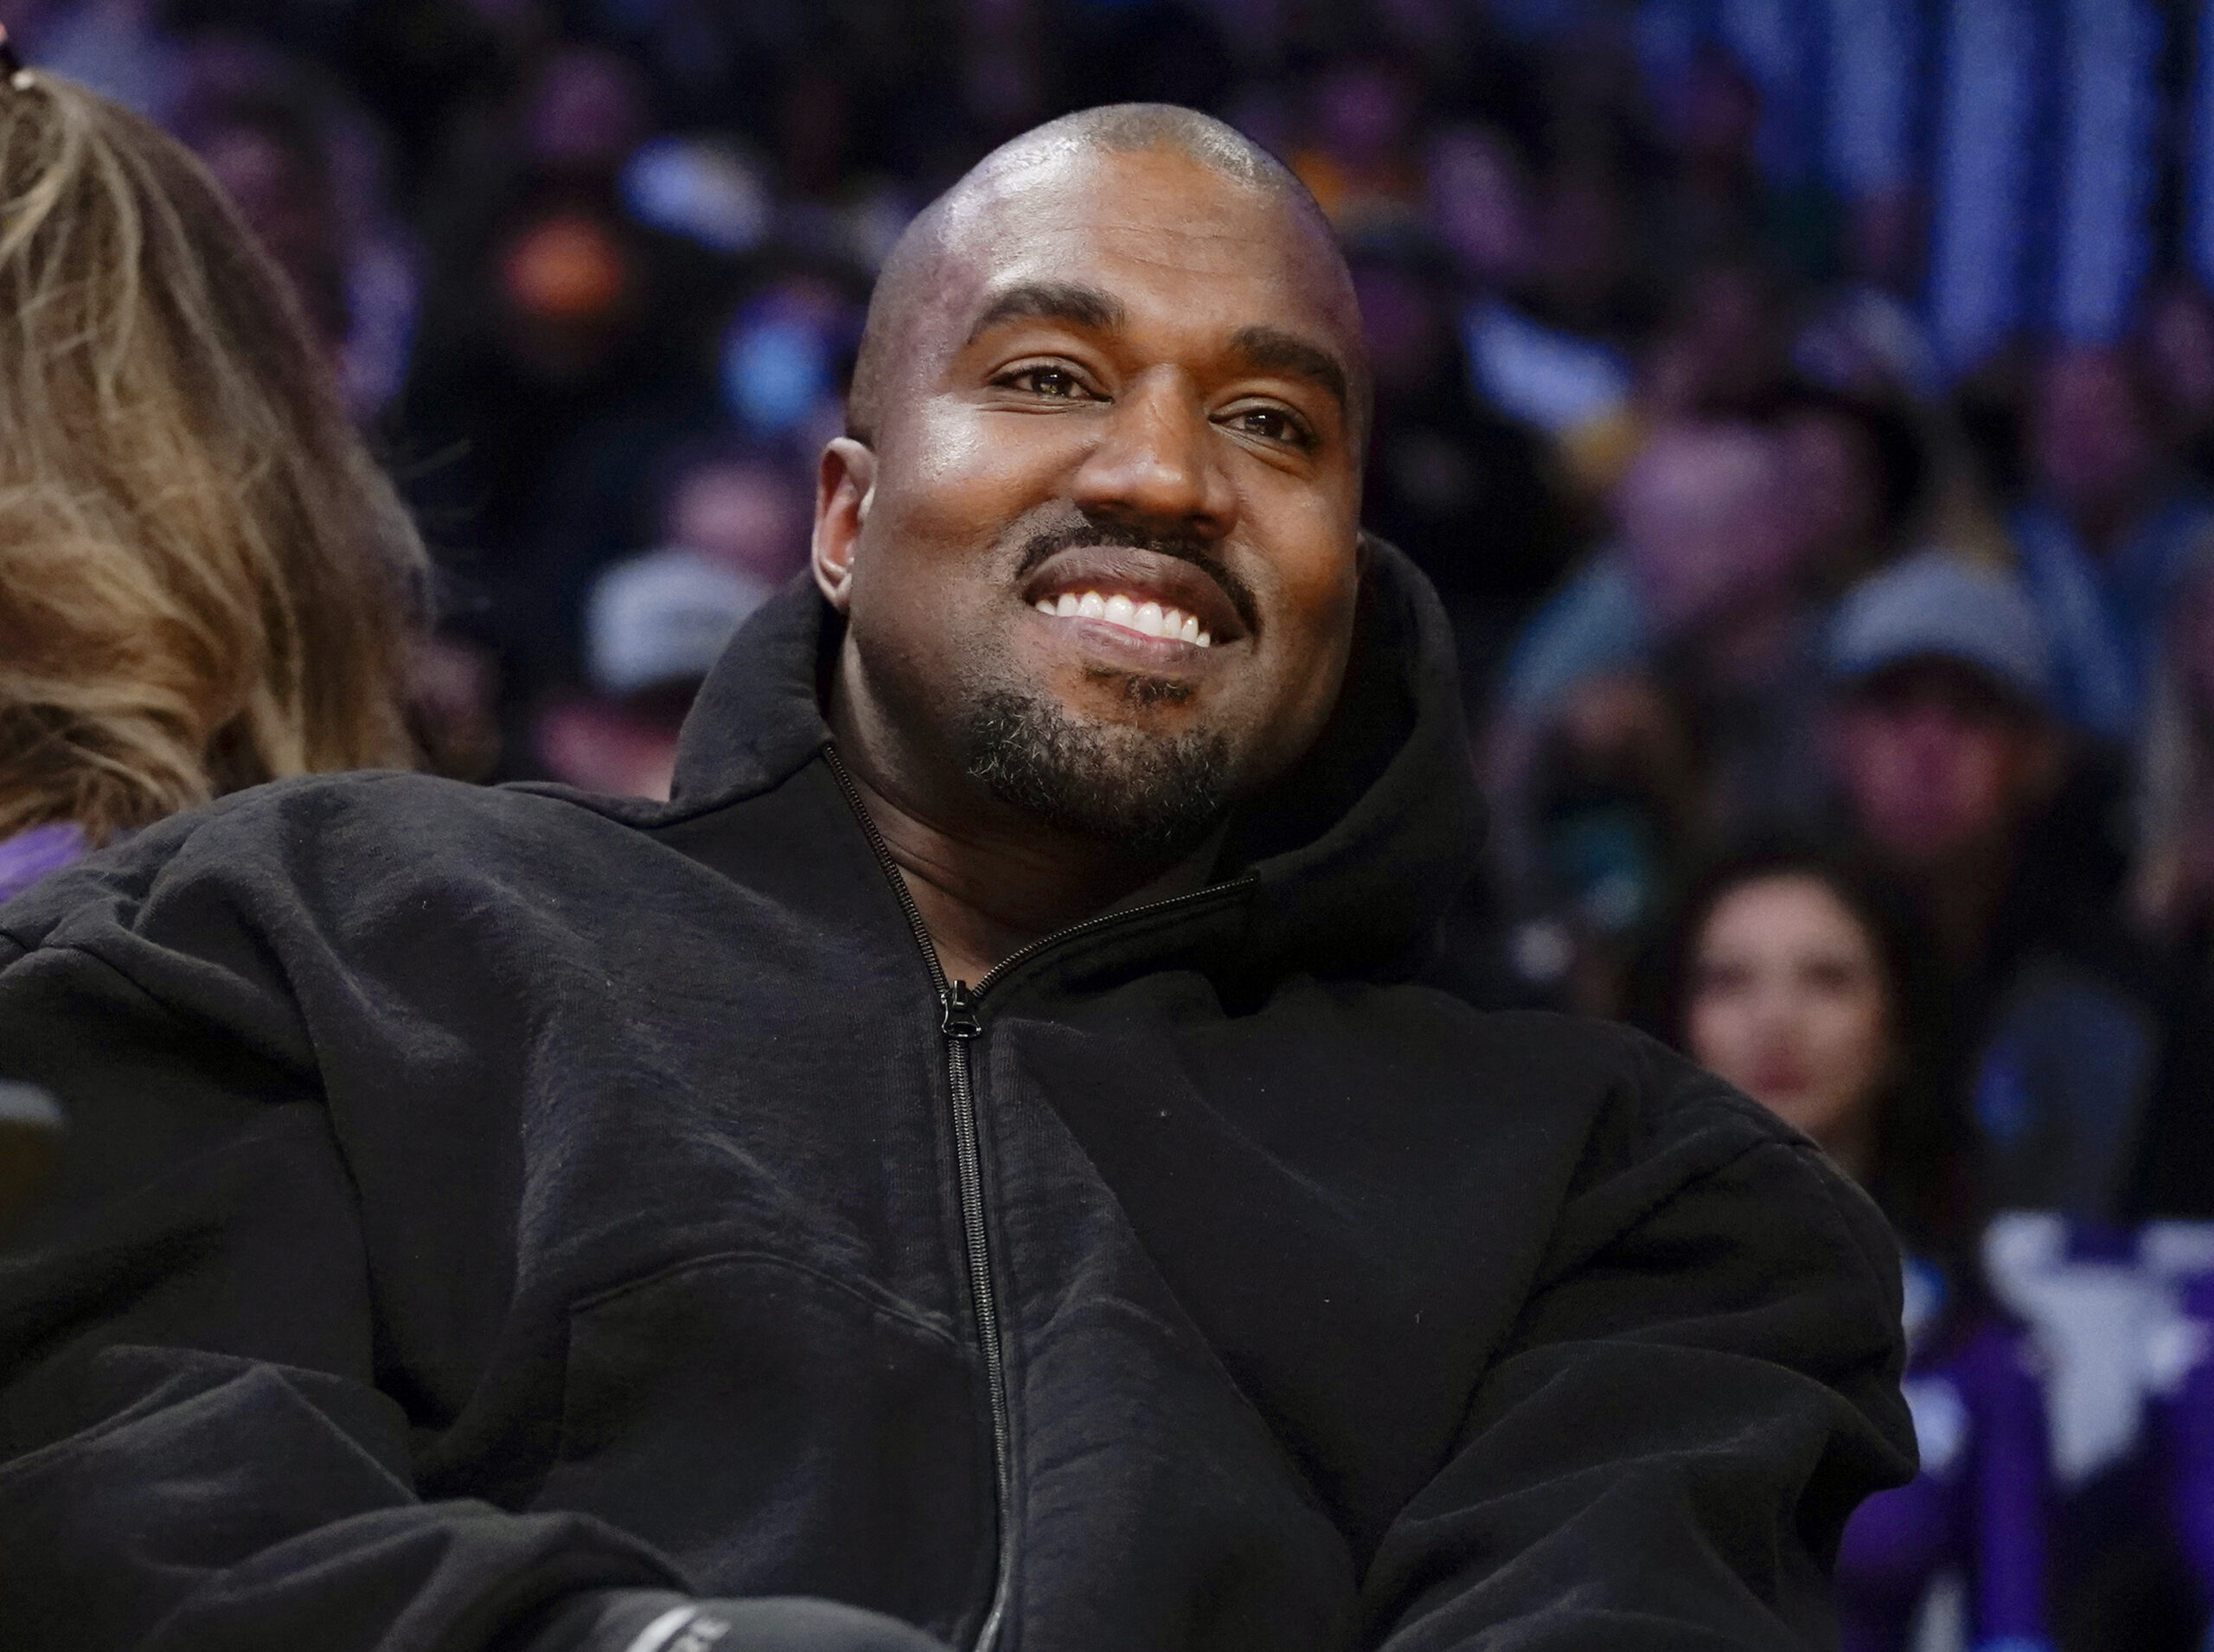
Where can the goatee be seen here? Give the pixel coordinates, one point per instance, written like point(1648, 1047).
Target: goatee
point(1154, 797)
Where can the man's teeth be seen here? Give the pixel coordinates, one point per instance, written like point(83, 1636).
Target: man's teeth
point(1148, 617)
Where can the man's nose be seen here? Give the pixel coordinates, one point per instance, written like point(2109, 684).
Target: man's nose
point(1158, 462)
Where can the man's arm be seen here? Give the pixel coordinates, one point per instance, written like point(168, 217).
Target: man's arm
point(1703, 1385)
point(194, 1448)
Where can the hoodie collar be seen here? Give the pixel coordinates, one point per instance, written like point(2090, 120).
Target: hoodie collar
point(1354, 854)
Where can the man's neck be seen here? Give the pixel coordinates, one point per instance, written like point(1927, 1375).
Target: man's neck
point(985, 895)
point(988, 879)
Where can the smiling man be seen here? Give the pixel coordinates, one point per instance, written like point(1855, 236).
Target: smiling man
point(1095, 530)
point(969, 1172)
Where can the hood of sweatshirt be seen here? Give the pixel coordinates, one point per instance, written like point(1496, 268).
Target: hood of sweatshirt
point(1354, 856)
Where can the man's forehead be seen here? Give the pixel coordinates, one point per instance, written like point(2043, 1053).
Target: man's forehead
point(1131, 219)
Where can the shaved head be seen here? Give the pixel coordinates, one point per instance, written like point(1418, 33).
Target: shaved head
point(911, 278)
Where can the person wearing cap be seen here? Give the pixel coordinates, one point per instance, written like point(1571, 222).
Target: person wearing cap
point(1954, 768)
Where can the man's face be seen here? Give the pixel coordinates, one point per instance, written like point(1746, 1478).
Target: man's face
point(1105, 565)
point(1705, 523)
point(1936, 764)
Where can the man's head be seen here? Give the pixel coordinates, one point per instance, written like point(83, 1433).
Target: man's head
point(1706, 528)
point(1114, 374)
point(1942, 744)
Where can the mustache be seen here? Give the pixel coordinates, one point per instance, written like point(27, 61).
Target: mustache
point(1087, 529)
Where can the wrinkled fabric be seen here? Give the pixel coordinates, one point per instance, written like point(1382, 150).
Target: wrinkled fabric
point(487, 1204)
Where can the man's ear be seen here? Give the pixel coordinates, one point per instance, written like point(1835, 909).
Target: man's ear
point(845, 484)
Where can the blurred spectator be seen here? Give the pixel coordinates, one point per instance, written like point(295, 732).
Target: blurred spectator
point(272, 162)
point(1664, 700)
point(1722, 349)
point(2176, 343)
point(1735, 517)
point(305, 171)
point(1476, 185)
point(1473, 498)
point(1867, 336)
point(1730, 538)
point(1700, 498)
point(1804, 980)
point(2111, 520)
point(540, 290)
point(204, 580)
point(1543, 263)
point(1723, 200)
point(1712, 113)
point(771, 385)
point(737, 527)
point(1360, 163)
point(2173, 881)
point(1857, 476)
point(548, 306)
point(1956, 774)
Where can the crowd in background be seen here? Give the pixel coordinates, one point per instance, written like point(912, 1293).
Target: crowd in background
point(1804, 409)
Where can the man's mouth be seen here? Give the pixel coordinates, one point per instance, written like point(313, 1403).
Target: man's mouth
point(1145, 617)
point(1138, 593)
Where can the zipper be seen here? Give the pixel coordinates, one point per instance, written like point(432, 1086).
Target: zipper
point(959, 1026)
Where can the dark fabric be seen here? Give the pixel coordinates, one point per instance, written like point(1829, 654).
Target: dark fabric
point(481, 1199)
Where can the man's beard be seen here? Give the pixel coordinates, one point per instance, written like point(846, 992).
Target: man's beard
point(1154, 798)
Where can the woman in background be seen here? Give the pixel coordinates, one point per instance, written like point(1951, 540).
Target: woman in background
point(205, 582)
point(1802, 981)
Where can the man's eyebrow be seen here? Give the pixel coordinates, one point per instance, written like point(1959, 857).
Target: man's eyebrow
point(1277, 351)
point(1080, 306)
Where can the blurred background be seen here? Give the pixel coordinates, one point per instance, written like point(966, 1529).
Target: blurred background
point(1805, 408)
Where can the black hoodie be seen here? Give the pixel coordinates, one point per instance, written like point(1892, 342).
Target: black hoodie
point(495, 1217)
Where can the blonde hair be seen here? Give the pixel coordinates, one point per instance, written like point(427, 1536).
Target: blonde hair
point(205, 581)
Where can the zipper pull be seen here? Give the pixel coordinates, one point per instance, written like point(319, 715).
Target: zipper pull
point(960, 1019)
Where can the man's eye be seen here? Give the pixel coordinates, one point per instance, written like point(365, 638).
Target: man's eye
point(1271, 424)
point(1055, 381)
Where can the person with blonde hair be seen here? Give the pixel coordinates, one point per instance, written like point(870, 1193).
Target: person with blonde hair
point(205, 581)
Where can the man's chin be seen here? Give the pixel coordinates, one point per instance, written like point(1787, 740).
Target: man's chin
point(1119, 780)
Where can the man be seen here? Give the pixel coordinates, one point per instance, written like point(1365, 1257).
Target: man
point(961, 1174)
point(2112, 523)
point(1956, 770)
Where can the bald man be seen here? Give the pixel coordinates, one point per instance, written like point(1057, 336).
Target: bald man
point(969, 1172)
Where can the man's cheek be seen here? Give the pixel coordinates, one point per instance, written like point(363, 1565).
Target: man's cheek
point(964, 464)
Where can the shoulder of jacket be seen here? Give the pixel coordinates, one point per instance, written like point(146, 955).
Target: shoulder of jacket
point(1643, 1098)
point(378, 815)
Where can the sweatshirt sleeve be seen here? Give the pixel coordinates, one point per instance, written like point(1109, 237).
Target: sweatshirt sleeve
point(194, 1448)
point(1703, 1385)
point(201, 1444)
